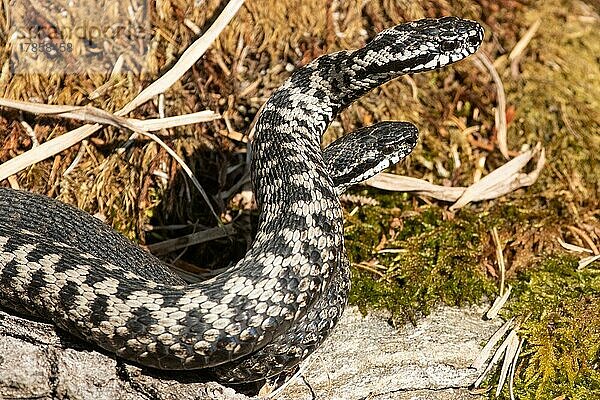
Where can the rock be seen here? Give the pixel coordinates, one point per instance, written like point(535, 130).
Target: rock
point(365, 357)
point(37, 361)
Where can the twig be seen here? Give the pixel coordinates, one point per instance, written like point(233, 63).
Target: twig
point(517, 51)
point(77, 158)
point(584, 262)
point(187, 59)
point(513, 369)
point(498, 304)
point(484, 354)
point(511, 354)
point(368, 268)
point(504, 179)
point(393, 182)
point(586, 238)
point(170, 245)
point(101, 116)
point(97, 115)
point(501, 108)
point(500, 258)
point(503, 347)
point(31, 133)
point(572, 247)
point(501, 181)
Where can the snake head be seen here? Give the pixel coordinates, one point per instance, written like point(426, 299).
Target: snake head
point(367, 151)
point(426, 44)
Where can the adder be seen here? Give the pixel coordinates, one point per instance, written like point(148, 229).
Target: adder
point(277, 304)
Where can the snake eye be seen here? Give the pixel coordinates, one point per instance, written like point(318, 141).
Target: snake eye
point(474, 41)
point(450, 45)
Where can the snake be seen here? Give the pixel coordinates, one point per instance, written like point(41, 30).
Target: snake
point(274, 307)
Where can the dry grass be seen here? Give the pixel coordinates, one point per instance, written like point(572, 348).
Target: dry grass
point(454, 108)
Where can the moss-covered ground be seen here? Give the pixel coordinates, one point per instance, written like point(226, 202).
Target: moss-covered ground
point(409, 253)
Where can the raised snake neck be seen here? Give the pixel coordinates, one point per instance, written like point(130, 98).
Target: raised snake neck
point(280, 301)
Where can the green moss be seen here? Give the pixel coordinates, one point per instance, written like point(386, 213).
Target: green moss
point(562, 331)
point(428, 261)
point(363, 229)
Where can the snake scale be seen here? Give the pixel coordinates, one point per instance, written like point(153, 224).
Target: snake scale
point(277, 304)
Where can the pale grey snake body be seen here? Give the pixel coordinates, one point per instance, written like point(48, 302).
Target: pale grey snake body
point(277, 304)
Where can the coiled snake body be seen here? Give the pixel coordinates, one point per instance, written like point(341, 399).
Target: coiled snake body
point(279, 302)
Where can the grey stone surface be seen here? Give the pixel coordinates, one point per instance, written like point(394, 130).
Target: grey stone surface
point(24, 370)
point(366, 358)
point(37, 362)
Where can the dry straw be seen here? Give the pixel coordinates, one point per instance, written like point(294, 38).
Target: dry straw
point(101, 117)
